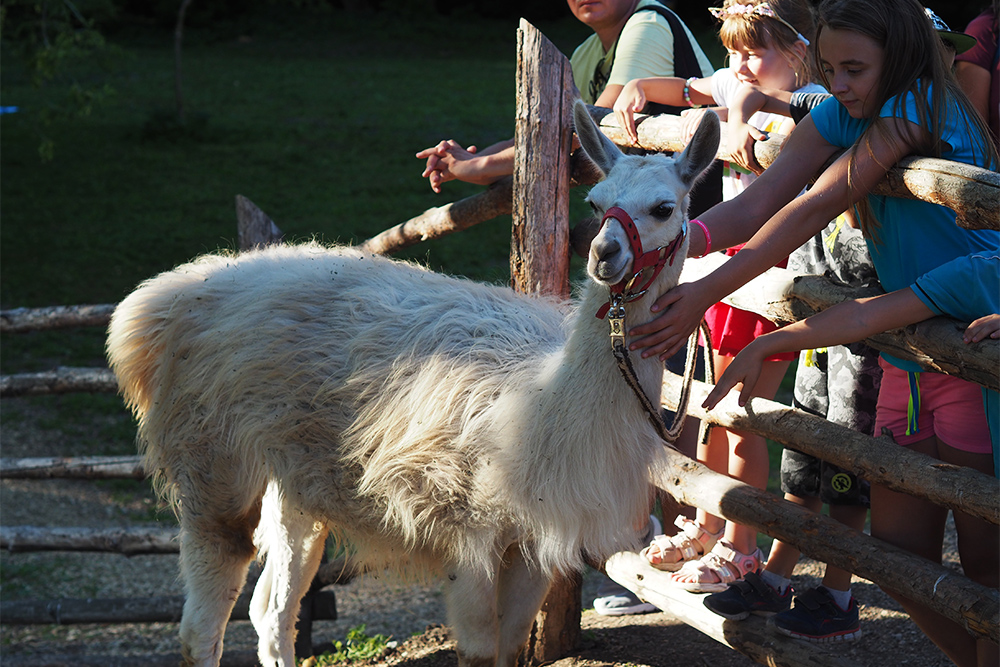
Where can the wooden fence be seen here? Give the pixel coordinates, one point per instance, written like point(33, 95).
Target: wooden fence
point(253, 228)
point(539, 264)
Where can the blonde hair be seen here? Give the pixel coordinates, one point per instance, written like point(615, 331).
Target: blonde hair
point(792, 21)
point(914, 65)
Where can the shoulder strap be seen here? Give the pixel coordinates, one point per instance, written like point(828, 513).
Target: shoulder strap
point(685, 62)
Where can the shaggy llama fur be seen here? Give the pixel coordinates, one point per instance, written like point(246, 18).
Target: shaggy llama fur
point(429, 422)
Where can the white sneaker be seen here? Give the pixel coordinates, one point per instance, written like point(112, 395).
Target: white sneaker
point(613, 599)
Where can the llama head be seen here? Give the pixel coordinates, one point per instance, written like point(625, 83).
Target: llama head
point(651, 191)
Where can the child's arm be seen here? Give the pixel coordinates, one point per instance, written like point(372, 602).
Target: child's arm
point(845, 322)
point(659, 89)
point(747, 101)
point(448, 161)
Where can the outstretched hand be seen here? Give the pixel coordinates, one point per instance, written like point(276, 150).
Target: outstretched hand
point(987, 326)
point(680, 312)
point(447, 161)
point(744, 370)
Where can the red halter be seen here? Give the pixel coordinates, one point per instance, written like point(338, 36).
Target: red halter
point(655, 259)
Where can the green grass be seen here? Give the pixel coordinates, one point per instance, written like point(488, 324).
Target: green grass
point(314, 117)
point(17, 578)
point(355, 647)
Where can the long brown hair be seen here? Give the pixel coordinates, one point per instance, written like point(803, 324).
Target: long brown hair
point(914, 63)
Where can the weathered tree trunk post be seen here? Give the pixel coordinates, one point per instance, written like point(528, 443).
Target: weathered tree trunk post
point(539, 254)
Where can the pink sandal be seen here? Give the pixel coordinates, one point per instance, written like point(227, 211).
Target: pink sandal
point(689, 544)
point(727, 564)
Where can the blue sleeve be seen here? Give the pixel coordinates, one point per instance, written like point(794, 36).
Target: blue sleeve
point(965, 288)
point(834, 124)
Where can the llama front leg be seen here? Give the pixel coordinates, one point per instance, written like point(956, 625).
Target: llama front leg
point(294, 544)
point(215, 557)
point(471, 599)
point(521, 592)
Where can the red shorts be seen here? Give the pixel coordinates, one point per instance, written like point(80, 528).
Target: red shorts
point(950, 408)
point(733, 329)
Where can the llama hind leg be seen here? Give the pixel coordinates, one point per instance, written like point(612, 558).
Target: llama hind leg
point(521, 591)
point(215, 557)
point(294, 544)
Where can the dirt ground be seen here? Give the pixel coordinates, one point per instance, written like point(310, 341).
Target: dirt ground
point(662, 640)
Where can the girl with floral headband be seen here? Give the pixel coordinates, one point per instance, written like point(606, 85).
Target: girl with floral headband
point(768, 44)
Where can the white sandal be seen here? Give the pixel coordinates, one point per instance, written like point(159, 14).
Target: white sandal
point(725, 562)
point(692, 542)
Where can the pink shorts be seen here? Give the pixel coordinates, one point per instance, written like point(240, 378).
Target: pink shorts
point(950, 408)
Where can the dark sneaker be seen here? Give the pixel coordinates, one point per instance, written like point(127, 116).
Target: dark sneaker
point(752, 595)
point(815, 617)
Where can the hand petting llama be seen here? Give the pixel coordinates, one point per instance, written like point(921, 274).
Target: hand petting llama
point(432, 423)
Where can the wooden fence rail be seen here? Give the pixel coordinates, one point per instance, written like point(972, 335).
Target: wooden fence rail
point(80, 467)
point(783, 296)
point(56, 317)
point(972, 192)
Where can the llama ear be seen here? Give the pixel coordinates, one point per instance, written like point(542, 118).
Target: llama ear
point(598, 147)
point(701, 150)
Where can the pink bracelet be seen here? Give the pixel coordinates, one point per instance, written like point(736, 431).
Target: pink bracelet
point(687, 92)
point(708, 237)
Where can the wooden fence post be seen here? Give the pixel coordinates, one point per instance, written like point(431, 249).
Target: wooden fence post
point(539, 257)
point(539, 254)
point(253, 226)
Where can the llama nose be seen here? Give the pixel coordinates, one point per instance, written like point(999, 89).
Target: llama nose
point(606, 256)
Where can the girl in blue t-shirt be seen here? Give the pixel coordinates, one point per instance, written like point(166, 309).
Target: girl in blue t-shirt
point(893, 97)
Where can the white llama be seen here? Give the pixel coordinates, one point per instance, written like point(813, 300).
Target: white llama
point(431, 423)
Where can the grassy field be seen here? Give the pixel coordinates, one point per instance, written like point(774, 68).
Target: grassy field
point(315, 119)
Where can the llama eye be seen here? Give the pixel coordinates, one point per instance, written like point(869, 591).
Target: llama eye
point(663, 211)
point(594, 208)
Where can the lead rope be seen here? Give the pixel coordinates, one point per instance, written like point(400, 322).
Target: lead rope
point(616, 318)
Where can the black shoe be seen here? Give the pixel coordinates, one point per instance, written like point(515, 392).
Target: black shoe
point(752, 595)
point(817, 618)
